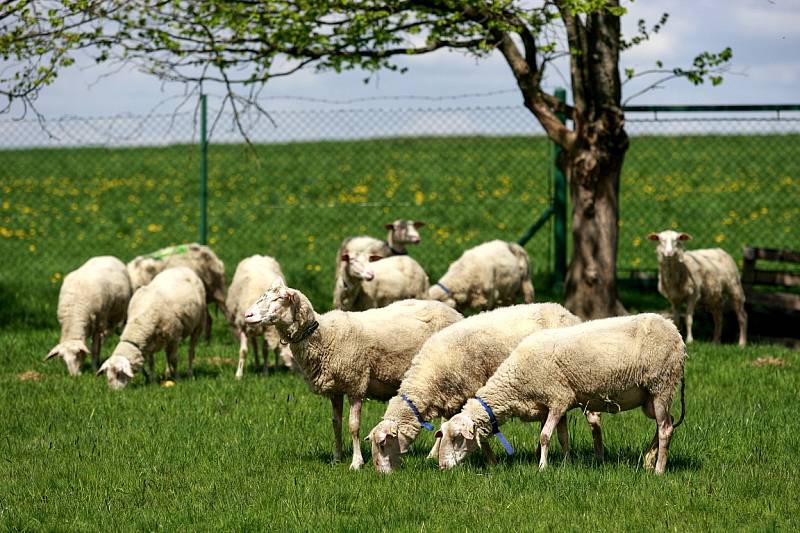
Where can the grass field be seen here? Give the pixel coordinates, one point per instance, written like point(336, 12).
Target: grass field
point(214, 454)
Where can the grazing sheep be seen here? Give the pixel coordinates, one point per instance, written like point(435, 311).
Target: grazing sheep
point(708, 278)
point(367, 285)
point(199, 258)
point(489, 275)
point(160, 315)
point(613, 364)
point(358, 354)
point(400, 233)
point(92, 301)
point(450, 367)
point(253, 276)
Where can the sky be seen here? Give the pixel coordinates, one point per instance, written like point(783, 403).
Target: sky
point(764, 35)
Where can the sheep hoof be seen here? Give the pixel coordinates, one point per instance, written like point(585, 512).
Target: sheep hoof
point(356, 465)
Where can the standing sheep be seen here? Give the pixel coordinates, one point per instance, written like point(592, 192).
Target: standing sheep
point(253, 276)
point(708, 278)
point(92, 301)
point(450, 367)
point(199, 258)
point(367, 285)
point(160, 315)
point(358, 354)
point(613, 364)
point(489, 275)
point(400, 233)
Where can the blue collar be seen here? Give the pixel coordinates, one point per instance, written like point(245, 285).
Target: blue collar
point(495, 427)
point(426, 425)
point(445, 289)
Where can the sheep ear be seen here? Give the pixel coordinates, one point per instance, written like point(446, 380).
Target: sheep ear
point(389, 226)
point(438, 434)
point(467, 434)
point(684, 237)
point(417, 224)
point(277, 283)
point(53, 353)
point(345, 258)
point(82, 347)
point(101, 370)
point(653, 236)
point(369, 435)
point(374, 258)
point(128, 372)
point(393, 433)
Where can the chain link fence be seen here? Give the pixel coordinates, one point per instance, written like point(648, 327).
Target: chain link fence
point(128, 185)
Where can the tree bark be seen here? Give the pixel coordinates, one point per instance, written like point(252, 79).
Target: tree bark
point(593, 168)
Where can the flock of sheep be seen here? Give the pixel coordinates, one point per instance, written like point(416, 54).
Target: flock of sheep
point(393, 336)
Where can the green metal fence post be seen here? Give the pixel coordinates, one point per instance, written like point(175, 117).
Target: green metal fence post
point(559, 209)
point(203, 172)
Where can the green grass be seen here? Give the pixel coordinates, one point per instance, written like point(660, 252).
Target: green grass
point(216, 454)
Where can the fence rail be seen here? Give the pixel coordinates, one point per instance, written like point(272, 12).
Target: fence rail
point(729, 175)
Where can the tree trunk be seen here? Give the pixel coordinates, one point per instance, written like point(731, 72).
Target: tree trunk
point(593, 168)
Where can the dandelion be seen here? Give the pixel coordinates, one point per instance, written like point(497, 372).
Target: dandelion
point(154, 228)
point(637, 241)
point(419, 197)
point(719, 238)
point(31, 248)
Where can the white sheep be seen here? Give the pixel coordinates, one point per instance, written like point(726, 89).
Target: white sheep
point(400, 234)
point(450, 367)
point(92, 301)
point(489, 275)
point(358, 354)
point(199, 258)
point(160, 315)
point(613, 364)
point(253, 276)
point(708, 278)
point(367, 285)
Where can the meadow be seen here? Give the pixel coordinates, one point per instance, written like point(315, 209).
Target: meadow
point(212, 453)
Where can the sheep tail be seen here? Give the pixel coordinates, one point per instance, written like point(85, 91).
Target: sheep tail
point(683, 405)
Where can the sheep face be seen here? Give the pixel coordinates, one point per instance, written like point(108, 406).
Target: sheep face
point(405, 231)
point(357, 265)
point(274, 307)
point(143, 270)
point(72, 352)
point(670, 243)
point(386, 447)
point(118, 371)
point(459, 439)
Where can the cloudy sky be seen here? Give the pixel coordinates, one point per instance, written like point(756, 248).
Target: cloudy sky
point(764, 35)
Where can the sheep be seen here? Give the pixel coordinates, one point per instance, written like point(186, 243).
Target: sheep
point(613, 364)
point(253, 276)
point(706, 277)
point(489, 275)
point(400, 233)
point(92, 301)
point(450, 367)
point(160, 315)
point(366, 285)
point(358, 354)
point(199, 258)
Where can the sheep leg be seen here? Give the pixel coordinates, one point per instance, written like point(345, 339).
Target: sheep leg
point(208, 326)
point(192, 348)
point(538, 452)
point(741, 316)
point(265, 351)
point(336, 404)
point(689, 319)
point(652, 450)
point(488, 453)
point(242, 354)
point(553, 418)
point(150, 373)
point(354, 423)
point(563, 437)
point(593, 419)
point(664, 426)
point(97, 340)
point(717, 315)
point(254, 344)
point(172, 361)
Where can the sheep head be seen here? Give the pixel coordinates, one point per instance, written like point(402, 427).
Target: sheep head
point(118, 371)
point(72, 352)
point(357, 265)
point(459, 438)
point(670, 243)
point(142, 270)
point(437, 292)
point(280, 306)
point(404, 231)
point(385, 439)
